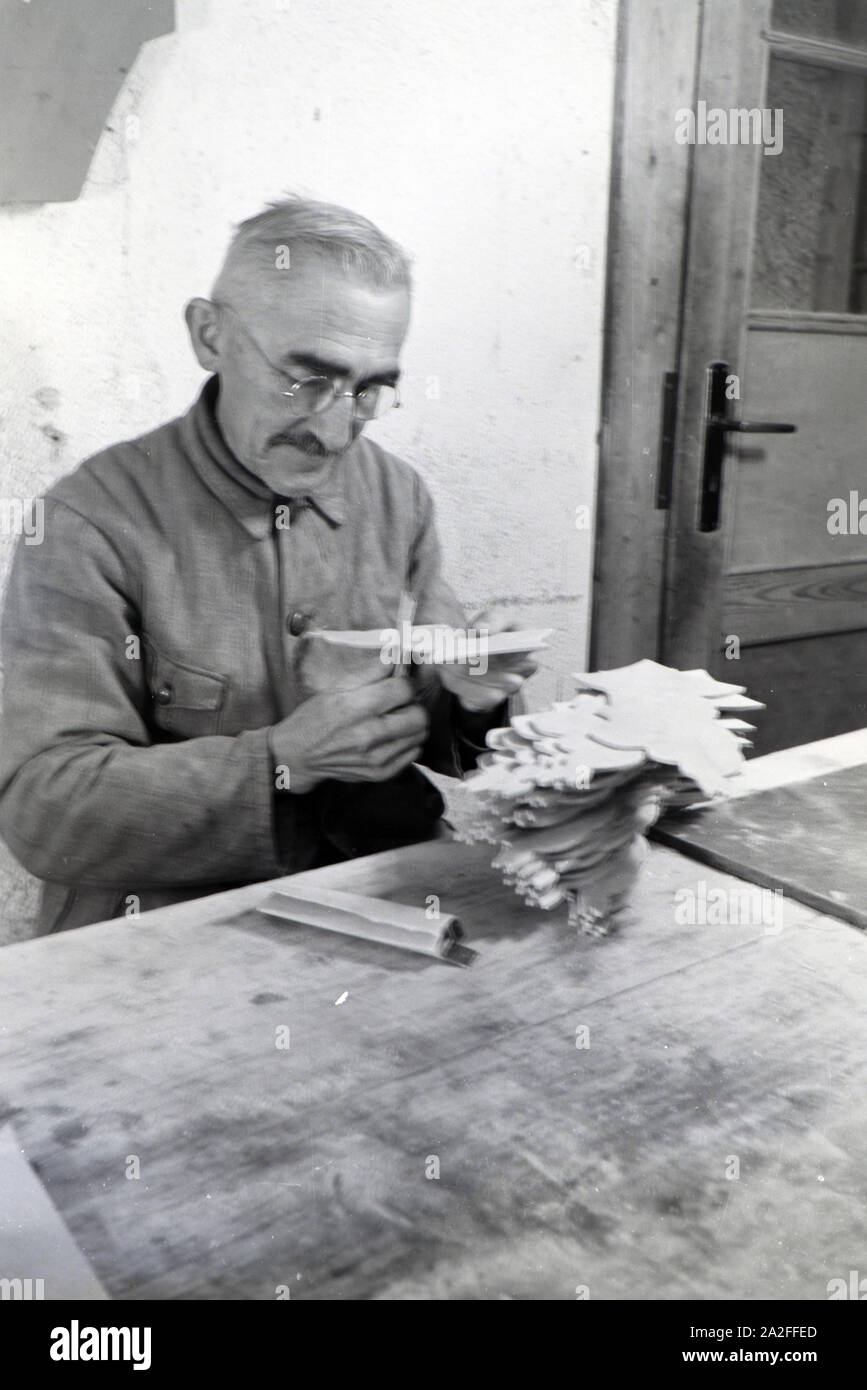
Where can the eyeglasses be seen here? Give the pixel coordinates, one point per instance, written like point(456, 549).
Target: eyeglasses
point(315, 394)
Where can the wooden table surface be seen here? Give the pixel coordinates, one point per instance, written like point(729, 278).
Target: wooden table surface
point(713, 1051)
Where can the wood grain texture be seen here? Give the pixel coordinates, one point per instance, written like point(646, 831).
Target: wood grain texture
point(731, 74)
point(560, 1166)
point(772, 605)
point(656, 61)
point(805, 321)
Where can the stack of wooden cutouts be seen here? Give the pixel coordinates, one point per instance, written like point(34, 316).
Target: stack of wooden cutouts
point(568, 794)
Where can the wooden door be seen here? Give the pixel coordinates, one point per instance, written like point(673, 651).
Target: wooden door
point(763, 578)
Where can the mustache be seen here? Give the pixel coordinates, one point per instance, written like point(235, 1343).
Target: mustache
point(302, 440)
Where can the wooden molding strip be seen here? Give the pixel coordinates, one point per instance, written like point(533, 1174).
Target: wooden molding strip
point(801, 49)
point(805, 321)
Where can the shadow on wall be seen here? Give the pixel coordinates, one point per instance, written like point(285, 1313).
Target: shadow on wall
point(70, 62)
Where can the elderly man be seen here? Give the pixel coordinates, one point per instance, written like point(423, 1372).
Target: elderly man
point(171, 725)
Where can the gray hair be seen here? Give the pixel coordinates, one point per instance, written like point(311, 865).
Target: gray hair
point(344, 237)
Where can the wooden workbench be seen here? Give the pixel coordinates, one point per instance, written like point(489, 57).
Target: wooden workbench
point(712, 1050)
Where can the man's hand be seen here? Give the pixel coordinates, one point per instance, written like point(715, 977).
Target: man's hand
point(477, 689)
point(364, 735)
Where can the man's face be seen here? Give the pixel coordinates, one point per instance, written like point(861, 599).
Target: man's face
point(310, 320)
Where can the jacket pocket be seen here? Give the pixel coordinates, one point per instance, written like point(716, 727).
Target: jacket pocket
point(185, 701)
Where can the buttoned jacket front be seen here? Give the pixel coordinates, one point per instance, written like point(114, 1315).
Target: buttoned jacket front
point(159, 632)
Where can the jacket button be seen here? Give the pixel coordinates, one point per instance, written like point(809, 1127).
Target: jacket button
point(297, 623)
point(164, 695)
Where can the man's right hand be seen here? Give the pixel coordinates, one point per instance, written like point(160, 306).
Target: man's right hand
point(363, 735)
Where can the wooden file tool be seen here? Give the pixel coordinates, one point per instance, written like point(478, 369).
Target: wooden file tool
point(391, 924)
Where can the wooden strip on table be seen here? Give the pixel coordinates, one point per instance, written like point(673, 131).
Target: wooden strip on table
point(390, 924)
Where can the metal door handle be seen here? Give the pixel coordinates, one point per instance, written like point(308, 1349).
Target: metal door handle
point(717, 425)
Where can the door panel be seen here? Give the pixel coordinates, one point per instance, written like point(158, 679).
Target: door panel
point(781, 484)
point(808, 233)
point(777, 597)
point(795, 589)
point(767, 268)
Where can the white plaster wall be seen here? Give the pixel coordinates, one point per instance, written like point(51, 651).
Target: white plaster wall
point(477, 132)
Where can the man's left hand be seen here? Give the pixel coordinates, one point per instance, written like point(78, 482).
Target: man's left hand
point(477, 688)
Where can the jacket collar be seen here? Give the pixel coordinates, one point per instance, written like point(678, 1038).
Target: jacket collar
point(249, 500)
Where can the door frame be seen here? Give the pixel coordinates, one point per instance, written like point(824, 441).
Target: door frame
point(670, 213)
